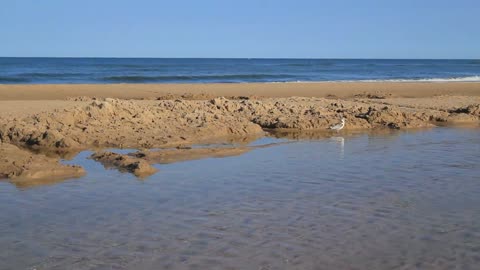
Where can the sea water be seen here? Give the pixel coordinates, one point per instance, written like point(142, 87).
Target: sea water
point(210, 70)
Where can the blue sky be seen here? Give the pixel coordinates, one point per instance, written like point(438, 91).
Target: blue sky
point(242, 28)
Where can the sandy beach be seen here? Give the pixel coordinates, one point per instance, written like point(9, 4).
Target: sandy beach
point(40, 123)
point(313, 89)
point(239, 135)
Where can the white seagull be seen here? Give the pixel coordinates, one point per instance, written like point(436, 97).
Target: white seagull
point(339, 126)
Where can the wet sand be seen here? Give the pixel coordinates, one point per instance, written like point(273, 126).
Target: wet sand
point(59, 119)
point(22, 165)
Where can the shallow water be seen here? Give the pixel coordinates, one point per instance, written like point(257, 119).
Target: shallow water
point(404, 200)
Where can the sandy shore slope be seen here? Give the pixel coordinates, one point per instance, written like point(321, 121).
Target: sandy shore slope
point(314, 89)
point(67, 118)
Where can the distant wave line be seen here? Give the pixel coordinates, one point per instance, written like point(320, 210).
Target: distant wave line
point(13, 80)
point(229, 78)
point(48, 75)
point(246, 77)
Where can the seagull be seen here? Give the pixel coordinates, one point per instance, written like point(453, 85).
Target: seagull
point(339, 126)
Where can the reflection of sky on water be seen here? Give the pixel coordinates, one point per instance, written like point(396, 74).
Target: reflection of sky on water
point(371, 201)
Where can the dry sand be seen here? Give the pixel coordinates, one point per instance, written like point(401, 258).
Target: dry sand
point(314, 89)
point(65, 118)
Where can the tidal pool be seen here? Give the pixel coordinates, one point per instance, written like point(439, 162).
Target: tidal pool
point(400, 200)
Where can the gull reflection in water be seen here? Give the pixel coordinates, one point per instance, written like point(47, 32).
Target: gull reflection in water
point(341, 143)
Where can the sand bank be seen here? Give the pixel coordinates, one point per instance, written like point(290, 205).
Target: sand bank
point(26, 169)
point(125, 163)
point(178, 118)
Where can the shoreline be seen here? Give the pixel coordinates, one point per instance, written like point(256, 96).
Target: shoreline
point(58, 119)
point(308, 89)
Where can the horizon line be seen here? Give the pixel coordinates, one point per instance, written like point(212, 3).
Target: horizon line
point(248, 58)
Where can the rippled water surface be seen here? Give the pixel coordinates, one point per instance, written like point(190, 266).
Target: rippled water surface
point(406, 200)
point(217, 70)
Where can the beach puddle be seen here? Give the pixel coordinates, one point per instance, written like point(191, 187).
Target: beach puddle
point(392, 200)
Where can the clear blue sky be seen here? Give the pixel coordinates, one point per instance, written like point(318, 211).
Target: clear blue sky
point(241, 28)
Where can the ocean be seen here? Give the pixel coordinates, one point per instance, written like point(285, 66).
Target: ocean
point(210, 70)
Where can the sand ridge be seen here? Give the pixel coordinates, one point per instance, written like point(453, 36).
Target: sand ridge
point(152, 124)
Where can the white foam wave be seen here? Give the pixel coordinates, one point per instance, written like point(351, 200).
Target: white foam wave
point(454, 79)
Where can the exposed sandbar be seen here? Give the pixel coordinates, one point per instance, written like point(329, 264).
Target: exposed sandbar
point(165, 116)
point(125, 163)
point(26, 169)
